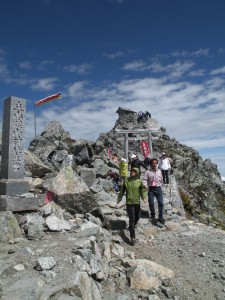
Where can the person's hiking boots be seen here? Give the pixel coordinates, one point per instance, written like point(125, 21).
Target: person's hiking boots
point(154, 221)
point(162, 221)
point(132, 241)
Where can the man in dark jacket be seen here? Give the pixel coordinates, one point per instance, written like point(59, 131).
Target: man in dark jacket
point(136, 163)
point(147, 161)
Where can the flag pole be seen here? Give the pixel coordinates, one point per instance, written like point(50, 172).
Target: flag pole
point(40, 102)
point(35, 129)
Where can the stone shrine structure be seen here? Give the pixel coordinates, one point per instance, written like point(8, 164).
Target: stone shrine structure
point(12, 183)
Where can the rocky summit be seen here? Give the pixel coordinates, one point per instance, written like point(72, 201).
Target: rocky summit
point(76, 244)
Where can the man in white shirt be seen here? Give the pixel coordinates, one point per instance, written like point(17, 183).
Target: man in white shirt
point(164, 166)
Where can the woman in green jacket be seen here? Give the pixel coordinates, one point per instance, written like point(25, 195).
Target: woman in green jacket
point(134, 189)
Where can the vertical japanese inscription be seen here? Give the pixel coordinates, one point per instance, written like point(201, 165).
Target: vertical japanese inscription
point(17, 135)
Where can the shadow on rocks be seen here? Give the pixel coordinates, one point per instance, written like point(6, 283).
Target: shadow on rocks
point(124, 237)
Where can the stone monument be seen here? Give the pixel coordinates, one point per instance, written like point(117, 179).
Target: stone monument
point(13, 187)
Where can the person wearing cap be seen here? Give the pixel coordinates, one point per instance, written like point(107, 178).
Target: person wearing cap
point(153, 181)
point(164, 166)
point(137, 163)
point(134, 189)
point(123, 168)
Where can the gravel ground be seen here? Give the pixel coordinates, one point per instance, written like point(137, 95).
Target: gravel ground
point(196, 254)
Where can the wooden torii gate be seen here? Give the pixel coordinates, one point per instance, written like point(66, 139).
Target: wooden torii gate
point(149, 132)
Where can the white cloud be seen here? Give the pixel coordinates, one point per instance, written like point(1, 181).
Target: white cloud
point(25, 65)
point(200, 52)
point(113, 55)
point(44, 84)
point(218, 71)
point(176, 69)
point(79, 69)
point(197, 53)
point(77, 89)
point(136, 65)
point(4, 72)
point(197, 73)
point(45, 64)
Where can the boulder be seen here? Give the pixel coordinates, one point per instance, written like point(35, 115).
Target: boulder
point(88, 175)
point(147, 275)
point(9, 228)
point(71, 192)
point(34, 165)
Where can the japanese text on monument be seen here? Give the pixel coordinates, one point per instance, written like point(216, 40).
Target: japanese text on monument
point(17, 141)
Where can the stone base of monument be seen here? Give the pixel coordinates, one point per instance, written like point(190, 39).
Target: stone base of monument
point(18, 203)
point(11, 196)
point(13, 187)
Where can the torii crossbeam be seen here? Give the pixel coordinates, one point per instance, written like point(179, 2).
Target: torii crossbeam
point(149, 132)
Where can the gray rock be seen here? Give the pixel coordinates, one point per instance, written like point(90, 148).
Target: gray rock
point(55, 224)
point(26, 289)
point(45, 263)
point(106, 184)
point(9, 228)
point(102, 169)
point(90, 229)
point(88, 175)
point(80, 263)
point(34, 165)
point(96, 188)
point(52, 208)
point(84, 286)
point(71, 192)
point(82, 150)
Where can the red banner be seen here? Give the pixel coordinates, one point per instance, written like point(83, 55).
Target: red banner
point(145, 148)
point(108, 153)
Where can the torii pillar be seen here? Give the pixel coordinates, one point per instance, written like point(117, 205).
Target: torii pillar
point(126, 138)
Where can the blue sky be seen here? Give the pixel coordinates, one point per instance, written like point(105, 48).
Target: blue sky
point(164, 56)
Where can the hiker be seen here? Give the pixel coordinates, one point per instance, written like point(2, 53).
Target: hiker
point(165, 167)
point(115, 159)
point(123, 168)
point(134, 189)
point(153, 181)
point(136, 163)
point(140, 116)
point(147, 115)
point(147, 161)
point(115, 179)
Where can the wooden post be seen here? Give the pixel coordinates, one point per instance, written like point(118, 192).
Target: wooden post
point(150, 143)
point(126, 145)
